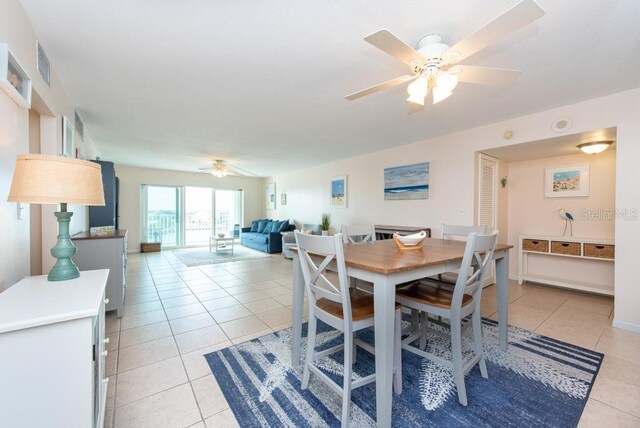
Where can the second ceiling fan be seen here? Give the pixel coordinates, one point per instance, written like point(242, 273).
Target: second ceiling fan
point(434, 65)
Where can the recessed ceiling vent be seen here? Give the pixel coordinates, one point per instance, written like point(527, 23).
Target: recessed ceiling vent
point(561, 125)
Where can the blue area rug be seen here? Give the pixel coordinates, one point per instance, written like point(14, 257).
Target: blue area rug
point(539, 382)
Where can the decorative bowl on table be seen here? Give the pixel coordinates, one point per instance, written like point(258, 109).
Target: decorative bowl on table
point(410, 241)
point(221, 235)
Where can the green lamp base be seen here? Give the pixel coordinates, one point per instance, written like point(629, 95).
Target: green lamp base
point(64, 249)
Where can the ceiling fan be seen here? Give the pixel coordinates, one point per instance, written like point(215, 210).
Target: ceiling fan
point(221, 169)
point(434, 65)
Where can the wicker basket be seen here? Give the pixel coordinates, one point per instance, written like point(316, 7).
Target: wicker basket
point(566, 248)
point(540, 246)
point(601, 251)
point(150, 247)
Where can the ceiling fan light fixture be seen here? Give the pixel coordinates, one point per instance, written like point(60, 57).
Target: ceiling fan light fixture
point(447, 81)
point(440, 94)
point(418, 90)
point(595, 147)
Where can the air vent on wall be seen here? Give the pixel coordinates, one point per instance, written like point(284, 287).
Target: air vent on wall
point(43, 65)
point(79, 126)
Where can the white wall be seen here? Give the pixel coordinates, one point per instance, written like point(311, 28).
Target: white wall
point(17, 32)
point(132, 178)
point(452, 181)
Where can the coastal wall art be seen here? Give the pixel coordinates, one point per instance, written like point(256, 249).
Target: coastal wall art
point(567, 181)
point(271, 196)
point(407, 182)
point(339, 192)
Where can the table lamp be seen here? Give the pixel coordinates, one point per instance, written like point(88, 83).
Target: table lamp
point(42, 179)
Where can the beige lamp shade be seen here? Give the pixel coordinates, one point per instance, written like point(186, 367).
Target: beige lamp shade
point(42, 179)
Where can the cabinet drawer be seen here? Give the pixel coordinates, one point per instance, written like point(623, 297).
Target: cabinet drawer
point(567, 248)
point(539, 245)
point(603, 251)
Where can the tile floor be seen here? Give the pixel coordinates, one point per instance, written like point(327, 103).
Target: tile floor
point(175, 314)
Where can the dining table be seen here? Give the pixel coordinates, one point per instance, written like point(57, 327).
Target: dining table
point(384, 265)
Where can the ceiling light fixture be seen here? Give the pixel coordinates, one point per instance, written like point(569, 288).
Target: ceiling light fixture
point(418, 90)
point(218, 171)
point(595, 147)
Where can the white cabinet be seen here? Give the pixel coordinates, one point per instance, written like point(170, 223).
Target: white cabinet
point(52, 352)
point(105, 251)
point(576, 256)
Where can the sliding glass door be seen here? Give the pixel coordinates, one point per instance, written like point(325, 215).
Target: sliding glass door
point(188, 216)
point(161, 215)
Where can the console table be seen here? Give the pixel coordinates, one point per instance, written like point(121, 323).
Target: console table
point(595, 250)
point(52, 352)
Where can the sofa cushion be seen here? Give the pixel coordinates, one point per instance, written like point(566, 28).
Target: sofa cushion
point(254, 226)
point(268, 227)
point(283, 226)
point(275, 225)
point(261, 225)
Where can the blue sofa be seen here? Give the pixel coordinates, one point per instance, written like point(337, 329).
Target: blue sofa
point(265, 235)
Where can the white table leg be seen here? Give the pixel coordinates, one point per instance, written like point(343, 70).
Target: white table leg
point(502, 282)
point(384, 298)
point(298, 303)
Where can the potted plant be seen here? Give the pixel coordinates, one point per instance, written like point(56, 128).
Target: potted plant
point(325, 223)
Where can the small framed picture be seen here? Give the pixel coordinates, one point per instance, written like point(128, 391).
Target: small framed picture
point(68, 148)
point(271, 196)
point(13, 80)
point(283, 199)
point(566, 181)
point(339, 192)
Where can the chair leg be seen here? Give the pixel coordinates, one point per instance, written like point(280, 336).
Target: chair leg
point(346, 384)
point(415, 321)
point(456, 351)
point(311, 344)
point(353, 348)
point(423, 330)
point(477, 342)
point(397, 355)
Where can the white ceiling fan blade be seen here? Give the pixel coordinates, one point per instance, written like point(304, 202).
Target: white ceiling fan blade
point(515, 18)
point(381, 86)
point(486, 75)
point(386, 41)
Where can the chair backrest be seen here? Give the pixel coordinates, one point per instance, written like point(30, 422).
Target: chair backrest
point(316, 254)
point(358, 233)
point(478, 253)
point(314, 229)
point(452, 231)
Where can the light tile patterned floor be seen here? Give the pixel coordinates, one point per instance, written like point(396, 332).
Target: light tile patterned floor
point(176, 314)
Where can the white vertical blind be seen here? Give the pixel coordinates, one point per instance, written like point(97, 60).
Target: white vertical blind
point(487, 199)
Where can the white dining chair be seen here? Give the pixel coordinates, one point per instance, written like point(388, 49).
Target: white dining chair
point(358, 233)
point(457, 304)
point(458, 233)
point(346, 309)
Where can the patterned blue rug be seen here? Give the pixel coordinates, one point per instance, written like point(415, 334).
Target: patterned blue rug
point(539, 382)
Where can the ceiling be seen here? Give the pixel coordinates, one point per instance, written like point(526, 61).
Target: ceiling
point(564, 145)
point(177, 84)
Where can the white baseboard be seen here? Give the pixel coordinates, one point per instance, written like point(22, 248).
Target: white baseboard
point(635, 328)
point(133, 250)
point(513, 277)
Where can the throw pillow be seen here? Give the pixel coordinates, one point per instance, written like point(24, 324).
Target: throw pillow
point(254, 226)
point(261, 225)
point(283, 226)
point(268, 226)
point(275, 226)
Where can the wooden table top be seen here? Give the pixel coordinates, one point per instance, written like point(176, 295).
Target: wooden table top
point(385, 257)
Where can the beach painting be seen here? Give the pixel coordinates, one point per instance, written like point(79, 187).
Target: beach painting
point(567, 181)
point(407, 182)
point(339, 192)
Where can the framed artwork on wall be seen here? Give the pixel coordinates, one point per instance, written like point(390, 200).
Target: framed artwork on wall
point(13, 80)
point(567, 181)
point(407, 182)
point(271, 196)
point(68, 148)
point(283, 199)
point(339, 192)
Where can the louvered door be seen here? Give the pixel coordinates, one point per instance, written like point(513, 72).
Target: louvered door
point(487, 199)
